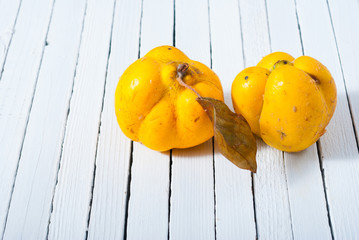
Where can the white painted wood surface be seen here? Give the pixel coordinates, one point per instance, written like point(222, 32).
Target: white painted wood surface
point(73, 194)
point(17, 85)
point(31, 206)
point(68, 172)
point(109, 204)
point(233, 186)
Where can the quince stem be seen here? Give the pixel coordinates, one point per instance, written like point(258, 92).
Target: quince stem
point(181, 73)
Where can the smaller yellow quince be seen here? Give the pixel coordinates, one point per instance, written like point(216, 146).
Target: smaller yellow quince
point(287, 102)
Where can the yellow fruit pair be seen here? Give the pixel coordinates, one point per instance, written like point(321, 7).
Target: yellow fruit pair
point(287, 102)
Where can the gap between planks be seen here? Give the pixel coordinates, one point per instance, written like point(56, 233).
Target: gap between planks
point(319, 150)
point(213, 142)
point(128, 192)
point(171, 161)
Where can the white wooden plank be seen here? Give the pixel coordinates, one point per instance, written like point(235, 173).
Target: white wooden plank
point(114, 148)
point(72, 197)
point(8, 13)
point(271, 195)
point(30, 207)
point(256, 42)
point(345, 15)
point(270, 187)
point(304, 179)
point(284, 32)
point(148, 203)
point(17, 88)
point(157, 25)
point(306, 195)
point(338, 146)
point(192, 30)
point(192, 188)
point(192, 198)
point(233, 186)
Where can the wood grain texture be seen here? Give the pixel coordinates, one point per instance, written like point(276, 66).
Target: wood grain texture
point(233, 186)
point(192, 199)
point(73, 191)
point(344, 16)
point(114, 148)
point(31, 203)
point(16, 91)
point(8, 14)
point(148, 203)
point(270, 186)
point(338, 146)
point(305, 186)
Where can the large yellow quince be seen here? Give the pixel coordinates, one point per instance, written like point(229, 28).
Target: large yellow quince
point(153, 108)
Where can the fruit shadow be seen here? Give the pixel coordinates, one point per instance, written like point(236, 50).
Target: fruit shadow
point(202, 151)
point(340, 142)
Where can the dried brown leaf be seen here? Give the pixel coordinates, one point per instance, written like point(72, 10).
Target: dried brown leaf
point(232, 134)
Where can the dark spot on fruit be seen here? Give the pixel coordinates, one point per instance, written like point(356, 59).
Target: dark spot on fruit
point(246, 77)
point(294, 109)
point(169, 48)
point(197, 118)
point(282, 134)
point(285, 62)
point(131, 130)
point(306, 119)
